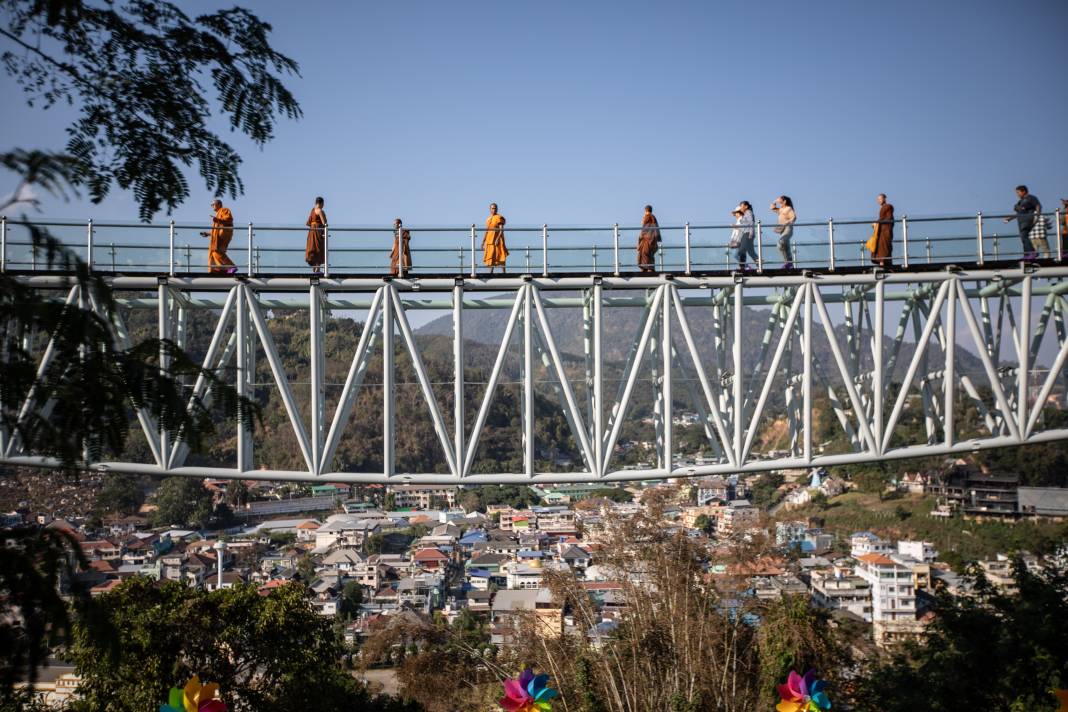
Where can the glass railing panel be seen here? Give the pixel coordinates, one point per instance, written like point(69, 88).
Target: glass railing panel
point(940, 241)
point(131, 248)
point(811, 246)
point(22, 255)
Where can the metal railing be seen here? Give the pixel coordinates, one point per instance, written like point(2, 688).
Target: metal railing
point(831, 245)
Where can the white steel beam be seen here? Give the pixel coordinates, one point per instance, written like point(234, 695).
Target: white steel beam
point(347, 399)
point(491, 386)
point(424, 380)
point(282, 381)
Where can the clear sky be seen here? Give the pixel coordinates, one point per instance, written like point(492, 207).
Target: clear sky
point(581, 112)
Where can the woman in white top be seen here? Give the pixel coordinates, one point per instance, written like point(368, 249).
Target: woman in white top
point(742, 235)
point(787, 217)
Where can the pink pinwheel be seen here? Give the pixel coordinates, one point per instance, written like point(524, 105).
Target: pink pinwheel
point(528, 693)
point(803, 694)
point(194, 697)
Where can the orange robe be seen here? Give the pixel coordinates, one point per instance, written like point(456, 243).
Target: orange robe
point(494, 251)
point(222, 231)
point(648, 242)
point(315, 247)
point(395, 255)
point(884, 243)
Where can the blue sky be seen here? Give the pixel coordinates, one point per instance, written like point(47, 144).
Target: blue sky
point(580, 113)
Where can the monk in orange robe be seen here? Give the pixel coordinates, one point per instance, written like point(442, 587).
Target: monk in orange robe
point(222, 231)
point(884, 242)
point(315, 247)
point(401, 241)
point(648, 241)
point(494, 251)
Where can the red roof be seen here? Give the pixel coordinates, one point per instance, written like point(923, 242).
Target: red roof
point(601, 586)
point(429, 555)
point(877, 559)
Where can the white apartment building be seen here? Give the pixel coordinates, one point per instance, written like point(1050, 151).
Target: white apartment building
point(867, 543)
point(737, 517)
point(893, 597)
point(422, 496)
point(838, 588)
point(919, 550)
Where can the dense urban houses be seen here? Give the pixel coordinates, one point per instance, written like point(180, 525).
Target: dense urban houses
point(411, 553)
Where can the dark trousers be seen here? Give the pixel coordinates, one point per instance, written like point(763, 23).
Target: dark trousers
point(1025, 238)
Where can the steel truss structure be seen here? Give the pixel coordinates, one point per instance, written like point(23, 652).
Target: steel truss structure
point(870, 380)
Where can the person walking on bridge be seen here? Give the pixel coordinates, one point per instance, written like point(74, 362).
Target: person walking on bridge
point(222, 231)
point(315, 246)
point(742, 235)
point(784, 208)
point(494, 251)
point(884, 233)
point(1027, 209)
point(401, 249)
point(648, 241)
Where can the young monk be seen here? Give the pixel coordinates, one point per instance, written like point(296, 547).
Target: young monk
point(401, 246)
point(648, 241)
point(494, 251)
point(315, 247)
point(222, 231)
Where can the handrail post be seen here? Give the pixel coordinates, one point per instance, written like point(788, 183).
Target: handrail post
point(979, 236)
point(472, 249)
point(170, 248)
point(760, 250)
point(830, 239)
point(927, 242)
point(1060, 235)
point(251, 266)
point(3, 243)
point(461, 256)
point(89, 244)
point(544, 250)
point(326, 251)
point(399, 237)
point(526, 259)
point(615, 246)
point(905, 238)
point(997, 248)
point(594, 253)
point(686, 236)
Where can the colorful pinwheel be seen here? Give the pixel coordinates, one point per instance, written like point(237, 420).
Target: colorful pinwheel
point(803, 694)
point(528, 693)
point(194, 698)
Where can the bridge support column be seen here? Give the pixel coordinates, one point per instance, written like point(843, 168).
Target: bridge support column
point(244, 379)
point(318, 366)
point(458, 373)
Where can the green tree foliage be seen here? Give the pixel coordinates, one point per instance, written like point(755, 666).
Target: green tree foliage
point(795, 636)
point(135, 72)
point(145, 109)
point(182, 501)
point(704, 523)
point(121, 494)
point(351, 598)
point(476, 499)
point(991, 650)
point(615, 494)
point(34, 564)
point(266, 652)
point(374, 544)
point(765, 490)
